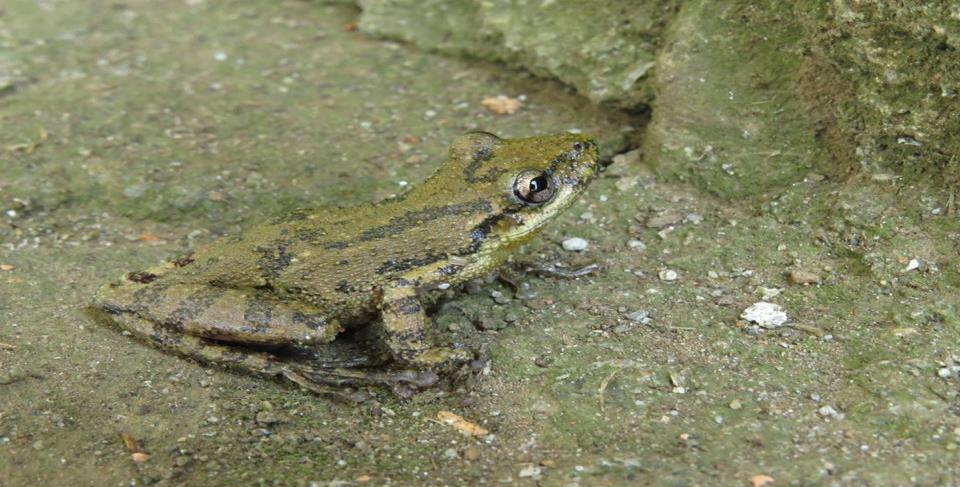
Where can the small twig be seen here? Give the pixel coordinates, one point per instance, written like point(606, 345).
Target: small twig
point(938, 394)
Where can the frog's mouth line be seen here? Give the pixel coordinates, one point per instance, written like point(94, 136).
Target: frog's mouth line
point(565, 197)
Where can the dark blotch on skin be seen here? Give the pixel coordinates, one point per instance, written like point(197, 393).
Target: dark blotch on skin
point(312, 322)
point(273, 259)
point(192, 307)
point(142, 277)
point(413, 219)
point(336, 245)
point(482, 155)
point(345, 287)
point(184, 261)
point(393, 265)
point(451, 269)
point(312, 235)
point(407, 306)
point(258, 315)
point(147, 297)
point(293, 216)
point(480, 233)
point(406, 336)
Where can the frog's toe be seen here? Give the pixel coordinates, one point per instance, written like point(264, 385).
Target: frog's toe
point(440, 358)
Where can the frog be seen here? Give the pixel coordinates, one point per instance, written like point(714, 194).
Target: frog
point(273, 298)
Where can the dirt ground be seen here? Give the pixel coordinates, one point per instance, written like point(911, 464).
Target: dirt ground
point(133, 131)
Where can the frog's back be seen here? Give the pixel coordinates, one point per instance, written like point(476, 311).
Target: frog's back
point(341, 256)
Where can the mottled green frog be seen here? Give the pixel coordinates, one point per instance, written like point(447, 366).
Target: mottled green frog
point(272, 299)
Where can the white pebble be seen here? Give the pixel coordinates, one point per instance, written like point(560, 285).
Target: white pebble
point(668, 275)
point(767, 315)
point(575, 244)
point(913, 265)
point(829, 412)
point(636, 245)
point(530, 471)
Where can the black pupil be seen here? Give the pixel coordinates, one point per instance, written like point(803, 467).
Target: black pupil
point(538, 184)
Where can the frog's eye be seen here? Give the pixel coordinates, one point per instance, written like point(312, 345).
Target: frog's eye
point(534, 187)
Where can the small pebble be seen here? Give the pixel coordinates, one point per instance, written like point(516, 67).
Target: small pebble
point(471, 454)
point(499, 297)
point(735, 404)
point(913, 265)
point(267, 418)
point(575, 244)
point(530, 471)
point(627, 158)
point(664, 220)
point(803, 277)
point(636, 245)
point(668, 275)
point(767, 315)
point(829, 412)
point(641, 316)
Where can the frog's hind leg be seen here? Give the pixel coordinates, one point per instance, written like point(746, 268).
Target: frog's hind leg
point(318, 379)
point(230, 315)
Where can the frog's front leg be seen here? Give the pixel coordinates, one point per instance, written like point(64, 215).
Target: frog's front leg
point(404, 324)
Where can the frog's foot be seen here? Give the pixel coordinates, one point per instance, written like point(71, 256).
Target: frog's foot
point(404, 383)
point(438, 358)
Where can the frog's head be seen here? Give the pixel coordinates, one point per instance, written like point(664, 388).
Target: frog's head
point(527, 181)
